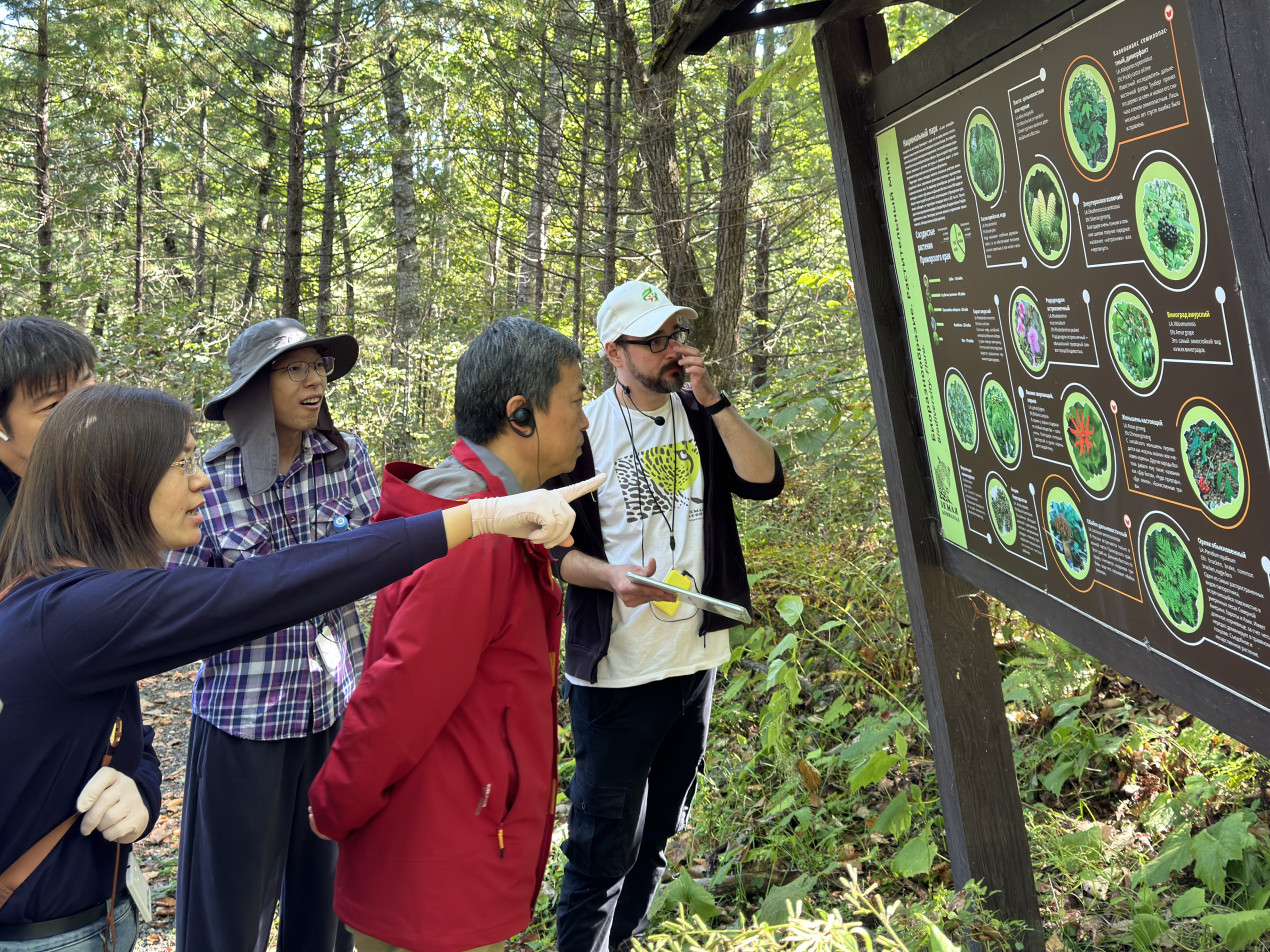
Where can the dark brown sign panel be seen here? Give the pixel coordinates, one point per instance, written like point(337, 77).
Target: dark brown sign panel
point(1079, 340)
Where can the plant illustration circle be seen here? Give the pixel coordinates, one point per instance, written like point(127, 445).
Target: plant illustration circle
point(1000, 422)
point(1045, 212)
point(1089, 119)
point(1214, 465)
point(1086, 438)
point(983, 157)
point(1168, 221)
point(1027, 327)
point(961, 411)
point(1001, 511)
point(1134, 344)
point(1065, 527)
point(957, 241)
point(1173, 578)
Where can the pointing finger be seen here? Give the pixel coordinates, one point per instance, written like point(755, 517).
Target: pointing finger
point(570, 493)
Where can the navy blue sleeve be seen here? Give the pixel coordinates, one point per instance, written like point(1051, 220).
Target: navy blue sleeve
point(149, 778)
point(104, 629)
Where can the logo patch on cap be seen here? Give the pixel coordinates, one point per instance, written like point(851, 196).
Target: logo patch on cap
point(650, 295)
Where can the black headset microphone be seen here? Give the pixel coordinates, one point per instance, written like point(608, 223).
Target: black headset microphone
point(659, 419)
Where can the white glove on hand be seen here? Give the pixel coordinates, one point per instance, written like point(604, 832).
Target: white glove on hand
point(542, 515)
point(112, 804)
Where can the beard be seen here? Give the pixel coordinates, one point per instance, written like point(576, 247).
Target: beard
point(670, 380)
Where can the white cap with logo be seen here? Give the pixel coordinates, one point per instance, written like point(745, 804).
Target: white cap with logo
point(635, 309)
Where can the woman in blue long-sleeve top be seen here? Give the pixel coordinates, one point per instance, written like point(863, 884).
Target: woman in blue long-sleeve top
point(86, 610)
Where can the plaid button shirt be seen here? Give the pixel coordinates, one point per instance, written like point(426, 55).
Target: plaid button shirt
point(287, 684)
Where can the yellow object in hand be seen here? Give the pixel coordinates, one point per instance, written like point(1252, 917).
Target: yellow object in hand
point(679, 580)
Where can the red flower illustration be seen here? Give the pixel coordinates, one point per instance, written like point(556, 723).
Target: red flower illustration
point(1082, 431)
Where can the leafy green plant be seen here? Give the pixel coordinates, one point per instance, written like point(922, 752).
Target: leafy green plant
point(1166, 215)
point(1211, 455)
point(961, 412)
point(1133, 342)
point(1086, 437)
point(1029, 333)
point(1087, 115)
point(1001, 508)
point(1174, 579)
point(1067, 529)
point(1003, 426)
point(983, 155)
point(1045, 212)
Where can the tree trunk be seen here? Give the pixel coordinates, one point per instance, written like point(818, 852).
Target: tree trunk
point(43, 182)
point(268, 142)
point(331, 117)
point(293, 248)
point(143, 137)
point(495, 244)
point(612, 152)
point(579, 220)
point(761, 302)
point(529, 283)
point(346, 244)
point(200, 195)
point(406, 239)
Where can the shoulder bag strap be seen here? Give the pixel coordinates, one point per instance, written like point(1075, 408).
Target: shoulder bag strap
point(26, 864)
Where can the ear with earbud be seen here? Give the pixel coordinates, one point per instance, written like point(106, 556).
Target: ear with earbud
point(522, 416)
point(4, 436)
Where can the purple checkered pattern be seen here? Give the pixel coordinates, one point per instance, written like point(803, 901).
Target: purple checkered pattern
point(279, 686)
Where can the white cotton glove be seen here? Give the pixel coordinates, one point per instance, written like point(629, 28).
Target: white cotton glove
point(542, 515)
point(112, 805)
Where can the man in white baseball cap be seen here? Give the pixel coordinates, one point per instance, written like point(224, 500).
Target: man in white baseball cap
point(640, 666)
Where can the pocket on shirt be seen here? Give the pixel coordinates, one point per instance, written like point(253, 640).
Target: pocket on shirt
point(328, 510)
point(244, 541)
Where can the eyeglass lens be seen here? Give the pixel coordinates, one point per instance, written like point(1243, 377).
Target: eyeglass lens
point(299, 370)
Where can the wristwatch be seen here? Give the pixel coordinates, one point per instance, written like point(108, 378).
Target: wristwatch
point(716, 408)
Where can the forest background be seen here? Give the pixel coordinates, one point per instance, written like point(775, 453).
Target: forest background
point(408, 172)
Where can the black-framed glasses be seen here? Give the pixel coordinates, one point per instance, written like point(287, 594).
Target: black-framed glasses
point(298, 370)
point(661, 341)
point(191, 462)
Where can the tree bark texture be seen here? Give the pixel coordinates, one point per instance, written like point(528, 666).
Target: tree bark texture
point(43, 181)
point(331, 117)
point(266, 116)
point(406, 238)
point(292, 259)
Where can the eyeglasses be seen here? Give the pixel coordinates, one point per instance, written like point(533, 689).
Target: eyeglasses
point(191, 462)
point(298, 370)
point(661, 341)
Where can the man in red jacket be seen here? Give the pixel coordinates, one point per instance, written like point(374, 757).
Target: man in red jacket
point(441, 787)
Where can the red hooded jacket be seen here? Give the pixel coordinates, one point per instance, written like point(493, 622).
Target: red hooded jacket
point(441, 786)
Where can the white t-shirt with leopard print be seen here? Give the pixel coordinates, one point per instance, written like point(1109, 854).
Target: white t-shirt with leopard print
point(655, 482)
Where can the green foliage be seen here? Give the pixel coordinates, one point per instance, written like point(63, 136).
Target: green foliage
point(1211, 456)
point(983, 154)
point(1170, 231)
point(1087, 115)
point(1174, 575)
point(1002, 424)
point(1001, 508)
point(961, 412)
point(1045, 213)
point(1134, 343)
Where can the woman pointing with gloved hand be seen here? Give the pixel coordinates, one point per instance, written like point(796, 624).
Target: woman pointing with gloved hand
point(86, 609)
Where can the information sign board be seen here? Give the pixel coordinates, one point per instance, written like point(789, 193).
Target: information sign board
point(1079, 340)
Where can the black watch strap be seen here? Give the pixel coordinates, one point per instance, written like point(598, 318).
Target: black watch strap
point(716, 408)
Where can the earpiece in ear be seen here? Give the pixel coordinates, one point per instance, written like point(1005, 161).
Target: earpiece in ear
point(4, 436)
point(522, 416)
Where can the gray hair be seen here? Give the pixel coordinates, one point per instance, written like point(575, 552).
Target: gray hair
point(513, 356)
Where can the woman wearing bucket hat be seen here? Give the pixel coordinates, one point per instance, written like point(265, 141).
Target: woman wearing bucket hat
point(265, 714)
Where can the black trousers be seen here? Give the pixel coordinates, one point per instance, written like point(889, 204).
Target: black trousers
point(638, 752)
point(246, 843)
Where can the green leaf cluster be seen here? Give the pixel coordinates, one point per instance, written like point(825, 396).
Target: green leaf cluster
point(1087, 113)
point(1173, 572)
point(1003, 425)
point(984, 159)
point(1045, 212)
point(1165, 205)
point(1133, 341)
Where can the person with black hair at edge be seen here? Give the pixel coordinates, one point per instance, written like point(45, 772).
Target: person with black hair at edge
point(41, 361)
point(640, 666)
point(441, 787)
point(265, 714)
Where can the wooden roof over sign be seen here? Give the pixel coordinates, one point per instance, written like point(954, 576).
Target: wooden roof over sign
point(697, 25)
